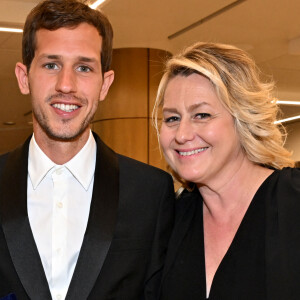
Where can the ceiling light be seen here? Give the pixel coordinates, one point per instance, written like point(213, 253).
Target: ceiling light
point(96, 4)
point(287, 102)
point(6, 29)
point(287, 119)
point(9, 123)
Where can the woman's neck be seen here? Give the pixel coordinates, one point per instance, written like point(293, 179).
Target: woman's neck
point(231, 197)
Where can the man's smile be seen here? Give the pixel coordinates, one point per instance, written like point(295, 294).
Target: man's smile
point(65, 107)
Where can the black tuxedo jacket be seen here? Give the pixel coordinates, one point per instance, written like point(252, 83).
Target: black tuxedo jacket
point(129, 225)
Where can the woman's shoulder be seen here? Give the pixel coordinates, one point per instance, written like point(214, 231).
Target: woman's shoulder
point(285, 185)
point(289, 177)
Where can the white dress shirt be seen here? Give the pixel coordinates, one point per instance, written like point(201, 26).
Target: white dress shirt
point(58, 203)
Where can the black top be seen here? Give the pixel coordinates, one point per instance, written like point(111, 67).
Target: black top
point(242, 272)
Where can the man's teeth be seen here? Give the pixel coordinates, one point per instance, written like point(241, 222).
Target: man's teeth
point(192, 152)
point(65, 107)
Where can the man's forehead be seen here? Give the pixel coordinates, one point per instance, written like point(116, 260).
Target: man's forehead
point(81, 26)
point(84, 39)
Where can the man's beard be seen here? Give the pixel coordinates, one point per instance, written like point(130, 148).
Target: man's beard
point(63, 135)
point(66, 134)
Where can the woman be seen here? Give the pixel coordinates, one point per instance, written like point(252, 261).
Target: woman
point(237, 231)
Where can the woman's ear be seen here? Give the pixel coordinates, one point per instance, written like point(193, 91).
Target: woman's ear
point(108, 79)
point(22, 77)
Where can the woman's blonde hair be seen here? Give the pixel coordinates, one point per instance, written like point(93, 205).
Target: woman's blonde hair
point(235, 78)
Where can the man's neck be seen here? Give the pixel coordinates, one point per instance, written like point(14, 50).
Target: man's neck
point(60, 152)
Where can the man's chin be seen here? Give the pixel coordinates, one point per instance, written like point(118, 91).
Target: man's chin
point(66, 136)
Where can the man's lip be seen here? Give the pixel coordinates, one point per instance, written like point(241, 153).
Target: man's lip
point(65, 108)
point(66, 99)
point(65, 102)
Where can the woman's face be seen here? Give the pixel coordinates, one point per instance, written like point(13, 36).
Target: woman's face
point(198, 135)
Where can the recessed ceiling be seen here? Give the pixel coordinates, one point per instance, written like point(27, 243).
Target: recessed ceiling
point(269, 30)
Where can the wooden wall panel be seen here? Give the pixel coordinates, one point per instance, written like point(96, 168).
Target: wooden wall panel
point(157, 59)
point(123, 120)
point(13, 137)
point(127, 96)
point(125, 136)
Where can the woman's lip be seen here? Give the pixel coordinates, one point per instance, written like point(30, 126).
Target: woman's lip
point(189, 152)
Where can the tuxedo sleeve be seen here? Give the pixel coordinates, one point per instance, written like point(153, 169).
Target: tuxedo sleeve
point(164, 226)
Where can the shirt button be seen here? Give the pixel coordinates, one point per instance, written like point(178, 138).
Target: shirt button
point(59, 171)
point(58, 297)
point(59, 205)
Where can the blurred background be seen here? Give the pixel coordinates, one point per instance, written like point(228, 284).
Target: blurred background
point(146, 32)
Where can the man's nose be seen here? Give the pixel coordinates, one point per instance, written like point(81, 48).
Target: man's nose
point(66, 81)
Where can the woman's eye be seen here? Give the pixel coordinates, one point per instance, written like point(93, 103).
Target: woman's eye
point(202, 116)
point(171, 119)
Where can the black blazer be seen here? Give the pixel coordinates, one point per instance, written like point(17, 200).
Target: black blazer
point(282, 240)
point(130, 221)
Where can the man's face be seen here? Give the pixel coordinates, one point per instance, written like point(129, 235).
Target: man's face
point(65, 81)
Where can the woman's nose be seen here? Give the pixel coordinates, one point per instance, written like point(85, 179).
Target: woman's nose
point(185, 132)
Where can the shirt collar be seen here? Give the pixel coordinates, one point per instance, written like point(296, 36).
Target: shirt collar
point(82, 165)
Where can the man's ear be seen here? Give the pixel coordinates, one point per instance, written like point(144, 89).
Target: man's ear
point(22, 77)
point(108, 79)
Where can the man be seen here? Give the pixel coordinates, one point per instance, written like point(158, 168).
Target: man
point(77, 220)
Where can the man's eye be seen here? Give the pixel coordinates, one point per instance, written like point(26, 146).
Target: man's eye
point(202, 116)
point(51, 66)
point(84, 69)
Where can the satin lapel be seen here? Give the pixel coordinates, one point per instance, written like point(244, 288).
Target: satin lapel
point(184, 216)
point(101, 224)
point(16, 227)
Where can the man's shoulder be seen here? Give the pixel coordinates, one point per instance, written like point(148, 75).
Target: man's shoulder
point(138, 166)
point(132, 169)
point(3, 159)
point(6, 155)
point(15, 156)
point(144, 181)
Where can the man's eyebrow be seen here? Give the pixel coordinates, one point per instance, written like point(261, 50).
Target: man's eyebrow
point(49, 56)
point(80, 58)
point(86, 59)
